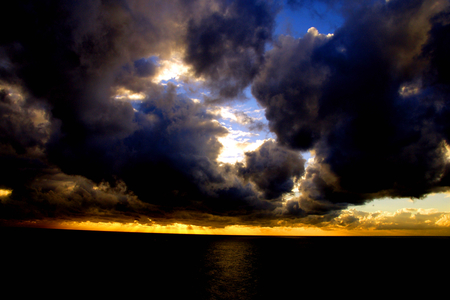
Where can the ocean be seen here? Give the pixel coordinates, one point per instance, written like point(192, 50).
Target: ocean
point(104, 265)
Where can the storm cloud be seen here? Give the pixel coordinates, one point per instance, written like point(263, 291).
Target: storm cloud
point(67, 64)
point(369, 100)
point(88, 132)
point(273, 169)
point(227, 47)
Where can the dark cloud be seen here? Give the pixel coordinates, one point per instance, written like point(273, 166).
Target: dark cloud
point(24, 130)
point(71, 56)
point(370, 101)
point(364, 101)
point(20, 127)
point(70, 60)
point(273, 169)
point(63, 197)
point(227, 46)
point(288, 86)
point(144, 67)
point(169, 160)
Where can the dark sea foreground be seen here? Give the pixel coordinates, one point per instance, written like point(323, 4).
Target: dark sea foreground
point(106, 265)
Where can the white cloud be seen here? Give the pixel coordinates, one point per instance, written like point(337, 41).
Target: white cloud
point(227, 113)
point(124, 94)
point(444, 221)
point(402, 219)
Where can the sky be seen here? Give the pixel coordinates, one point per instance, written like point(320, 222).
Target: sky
point(281, 117)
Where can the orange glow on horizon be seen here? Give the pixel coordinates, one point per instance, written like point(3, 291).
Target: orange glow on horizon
point(178, 228)
point(246, 230)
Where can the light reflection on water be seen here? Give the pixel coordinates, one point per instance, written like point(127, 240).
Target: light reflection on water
point(230, 270)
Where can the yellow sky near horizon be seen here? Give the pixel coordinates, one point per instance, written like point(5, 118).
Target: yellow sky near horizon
point(406, 222)
point(405, 218)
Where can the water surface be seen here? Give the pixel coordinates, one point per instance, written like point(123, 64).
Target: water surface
point(160, 266)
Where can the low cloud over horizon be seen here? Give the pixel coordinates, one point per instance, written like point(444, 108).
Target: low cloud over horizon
point(114, 111)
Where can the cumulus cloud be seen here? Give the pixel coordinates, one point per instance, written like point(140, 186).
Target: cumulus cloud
point(65, 197)
point(78, 64)
point(289, 86)
point(253, 124)
point(402, 219)
point(88, 131)
point(24, 130)
point(369, 100)
point(227, 47)
point(273, 169)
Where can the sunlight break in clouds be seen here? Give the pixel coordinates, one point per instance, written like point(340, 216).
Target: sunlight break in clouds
point(172, 68)
point(189, 112)
point(5, 193)
point(235, 144)
point(124, 94)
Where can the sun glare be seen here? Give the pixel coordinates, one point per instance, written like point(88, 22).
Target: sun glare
point(4, 192)
point(171, 69)
point(235, 145)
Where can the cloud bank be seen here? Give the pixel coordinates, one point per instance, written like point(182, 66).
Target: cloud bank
point(370, 101)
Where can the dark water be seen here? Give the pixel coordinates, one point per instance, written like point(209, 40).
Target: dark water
point(105, 265)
